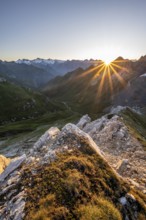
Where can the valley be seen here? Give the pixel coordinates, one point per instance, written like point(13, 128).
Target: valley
point(66, 98)
point(78, 138)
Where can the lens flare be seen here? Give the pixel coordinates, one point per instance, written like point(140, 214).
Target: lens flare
point(107, 61)
point(107, 72)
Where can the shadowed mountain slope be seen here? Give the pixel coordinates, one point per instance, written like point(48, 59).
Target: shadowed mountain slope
point(19, 103)
point(98, 88)
point(26, 75)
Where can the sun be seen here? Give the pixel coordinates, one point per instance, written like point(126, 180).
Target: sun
point(107, 61)
point(106, 72)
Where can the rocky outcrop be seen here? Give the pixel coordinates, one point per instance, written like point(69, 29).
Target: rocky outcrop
point(71, 136)
point(127, 201)
point(45, 138)
point(83, 121)
point(12, 195)
point(122, 166)
point(108, 138)
point(121, 149)
point(45, 150)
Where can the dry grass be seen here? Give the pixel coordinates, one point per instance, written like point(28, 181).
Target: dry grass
point(75, 186)
point(102, 210)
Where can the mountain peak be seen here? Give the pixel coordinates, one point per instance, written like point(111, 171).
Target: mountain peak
point(119, 59)
point(142, 58)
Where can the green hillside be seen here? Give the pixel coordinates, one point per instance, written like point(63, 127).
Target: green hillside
point(17, 103)
point(24, 110)
point(136, 124)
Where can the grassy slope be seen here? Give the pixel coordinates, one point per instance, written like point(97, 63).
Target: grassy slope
point(78, 185)
point(136, 124)
point(17, 102)
point(25, 115)
point(59, 117)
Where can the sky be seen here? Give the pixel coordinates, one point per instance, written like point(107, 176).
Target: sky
point(72, 29)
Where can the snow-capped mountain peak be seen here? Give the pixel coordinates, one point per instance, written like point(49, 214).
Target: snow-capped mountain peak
point(39, 61)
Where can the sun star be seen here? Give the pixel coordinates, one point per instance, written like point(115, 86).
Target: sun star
point(107, 61)
point(106, 72)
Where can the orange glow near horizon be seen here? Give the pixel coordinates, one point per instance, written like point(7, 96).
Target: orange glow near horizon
point(107, 63)
point(107, 72)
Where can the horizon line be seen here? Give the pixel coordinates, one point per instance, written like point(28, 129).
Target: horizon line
point(95, 59)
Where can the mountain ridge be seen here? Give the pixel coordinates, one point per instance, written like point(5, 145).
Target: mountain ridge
point(36, 73)
point(65, 174)
point(93, 90)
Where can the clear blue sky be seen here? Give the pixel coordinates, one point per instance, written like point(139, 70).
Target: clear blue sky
point(72, 29)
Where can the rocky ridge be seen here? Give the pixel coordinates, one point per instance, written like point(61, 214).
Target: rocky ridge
point(122, 150)
point(108, 138)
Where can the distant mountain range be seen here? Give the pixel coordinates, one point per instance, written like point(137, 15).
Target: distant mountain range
point(60, 67)
point(25, 75)
point(36, 73)
point(93, 90)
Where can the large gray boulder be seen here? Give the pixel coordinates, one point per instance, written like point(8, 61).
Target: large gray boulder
point(72, 137)
point(46, 137)
point(83, 121)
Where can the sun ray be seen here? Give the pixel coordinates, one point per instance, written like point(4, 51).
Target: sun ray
point(116, 65)
point(110, 79)
point(122, 81)
point(102, 76)
point(94, 77)
point(120, 67)
point(98, 72)
point(102, 82)
point(100, 67)
point(91, 70)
